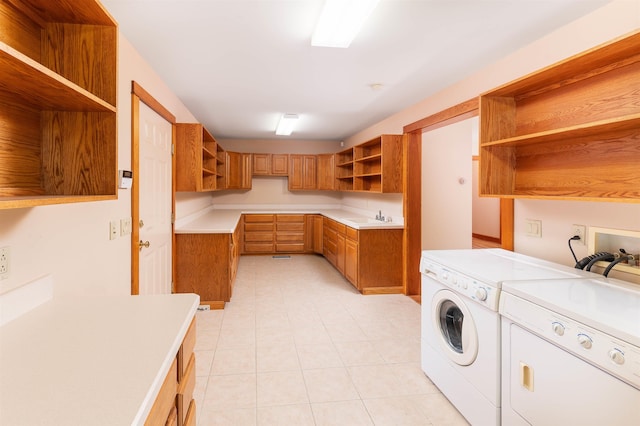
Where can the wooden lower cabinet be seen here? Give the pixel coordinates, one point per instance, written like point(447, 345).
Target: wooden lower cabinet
point(289, 235)
point(258, 235)
point(206, 264)
point(174, 404)
point(371, 259)
point(278, 233)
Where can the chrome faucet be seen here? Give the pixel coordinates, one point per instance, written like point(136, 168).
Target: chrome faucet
point(379, 216)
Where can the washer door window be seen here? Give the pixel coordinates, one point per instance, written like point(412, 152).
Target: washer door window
point(455, 328)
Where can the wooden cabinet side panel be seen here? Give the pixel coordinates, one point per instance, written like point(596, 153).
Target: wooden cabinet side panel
point(391, 163)
point(202, 266)
point(351, 262)
point(317, 234)
point(234, 175)
point(188, 157)
point(380, 258)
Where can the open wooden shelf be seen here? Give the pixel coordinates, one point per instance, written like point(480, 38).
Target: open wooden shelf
point(58, 87)
point(200, 160)
point(568, 131)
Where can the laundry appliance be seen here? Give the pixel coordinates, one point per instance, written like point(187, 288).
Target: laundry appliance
point(460, 336)
point(571, 353)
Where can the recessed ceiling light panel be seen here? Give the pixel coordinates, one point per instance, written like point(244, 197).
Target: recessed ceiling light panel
point(286, 124)
point(340, 21)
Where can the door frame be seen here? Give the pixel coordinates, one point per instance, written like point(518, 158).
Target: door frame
point(138, 94)
point(412, 184)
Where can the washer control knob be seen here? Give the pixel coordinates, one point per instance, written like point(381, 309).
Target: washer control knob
point(558, 328)
point(454, 280)
point(617, 356)
point(445, 276)
point(585, 341)
point(481, 293)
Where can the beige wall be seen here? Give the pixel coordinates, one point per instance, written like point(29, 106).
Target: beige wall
point(613, 20)
point(71, 242)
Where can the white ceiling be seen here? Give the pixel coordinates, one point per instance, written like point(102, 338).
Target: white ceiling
point(239, 64)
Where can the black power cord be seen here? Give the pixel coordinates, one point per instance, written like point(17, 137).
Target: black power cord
point(575, 237)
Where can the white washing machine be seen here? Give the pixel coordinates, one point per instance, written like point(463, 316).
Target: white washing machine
point(461, 325)
point(571, 353)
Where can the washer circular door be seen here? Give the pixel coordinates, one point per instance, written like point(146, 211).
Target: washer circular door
point(454, 327)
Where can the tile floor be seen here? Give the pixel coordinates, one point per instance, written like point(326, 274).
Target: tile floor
point(298, 345)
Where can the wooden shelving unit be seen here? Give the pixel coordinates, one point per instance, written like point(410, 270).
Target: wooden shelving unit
point(58, 87)
point(200, 160)
point(373, 166)
point(568, 131)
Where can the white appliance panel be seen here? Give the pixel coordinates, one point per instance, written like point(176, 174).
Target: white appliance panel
point(545, 385)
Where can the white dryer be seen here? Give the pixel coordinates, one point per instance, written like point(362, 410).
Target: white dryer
point(461, 325)
point(571, 353)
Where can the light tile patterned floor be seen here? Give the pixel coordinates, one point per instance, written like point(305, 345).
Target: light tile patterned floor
point(298, 345)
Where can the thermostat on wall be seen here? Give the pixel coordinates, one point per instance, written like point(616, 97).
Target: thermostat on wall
point(125, 179)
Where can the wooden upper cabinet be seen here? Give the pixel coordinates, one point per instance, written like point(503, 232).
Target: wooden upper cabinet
point(326, 173)
point(302, 172)
point(373, 166)
point(200, 160)
point(58, 138)
point(271, 164)
point(568, 131)
point(238, 170)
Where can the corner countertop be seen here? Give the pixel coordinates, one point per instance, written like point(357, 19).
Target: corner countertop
point(91, 361)
point(224, 221)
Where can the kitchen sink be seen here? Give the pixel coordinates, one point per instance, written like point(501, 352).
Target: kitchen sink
point(363, 220)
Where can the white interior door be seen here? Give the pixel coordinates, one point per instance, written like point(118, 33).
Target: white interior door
point(155, 182)
point(446, 186)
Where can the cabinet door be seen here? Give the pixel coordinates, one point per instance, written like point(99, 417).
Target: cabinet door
point(309, 179)
point(235, 170)
point(261, 164)
point(326, 172)
point(317, 234)
point(280, 164)
point(246, 171)
point(351, 261)
point(296, 172)
point(340, 252)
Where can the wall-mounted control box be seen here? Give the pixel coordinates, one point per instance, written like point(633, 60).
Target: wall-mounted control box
point(125, 179)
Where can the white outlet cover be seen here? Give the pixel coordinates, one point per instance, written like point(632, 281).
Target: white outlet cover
point(113, 230)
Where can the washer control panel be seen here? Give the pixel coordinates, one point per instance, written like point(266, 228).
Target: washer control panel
point(473, 289)
point(613, 355)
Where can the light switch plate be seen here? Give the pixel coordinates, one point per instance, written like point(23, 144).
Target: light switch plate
point(533, 228)
point(125, 226)
point(4, 262)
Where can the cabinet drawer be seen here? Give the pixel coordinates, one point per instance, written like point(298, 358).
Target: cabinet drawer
point(258, 247)
point(290, 226)
point(290, 247)
point(248, 227)
point(186, 349)
point(185, 389)
point(352, 233)
point(289, 237)
point(290, 218)
point(190, 418)
point(253, 218)
point(165, 401)
point(258, 237)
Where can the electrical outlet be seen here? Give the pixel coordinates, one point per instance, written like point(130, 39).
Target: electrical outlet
point(125, 226)
point(581, 231)
point(4, 262)
point(204, 308)
point(113, 229)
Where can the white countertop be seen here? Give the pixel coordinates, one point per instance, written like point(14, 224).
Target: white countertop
point(223, 221)
point(93, 361)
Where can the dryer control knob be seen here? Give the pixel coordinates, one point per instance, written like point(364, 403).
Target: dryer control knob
point(616, 356)
point(558, 328)
point(481, 293)
point(585, 341)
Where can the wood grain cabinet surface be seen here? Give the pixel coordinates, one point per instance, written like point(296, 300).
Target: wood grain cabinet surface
point(371, 259)
point(302, 172)
point(174, 404)
point(200, 160)
point(569, 131)
point(270, 164)
point(238, 170)
point(58, 139)
point(206, 264)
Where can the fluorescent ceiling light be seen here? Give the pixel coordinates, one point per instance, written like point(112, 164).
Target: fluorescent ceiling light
point(285, 126)
point(340, 21)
